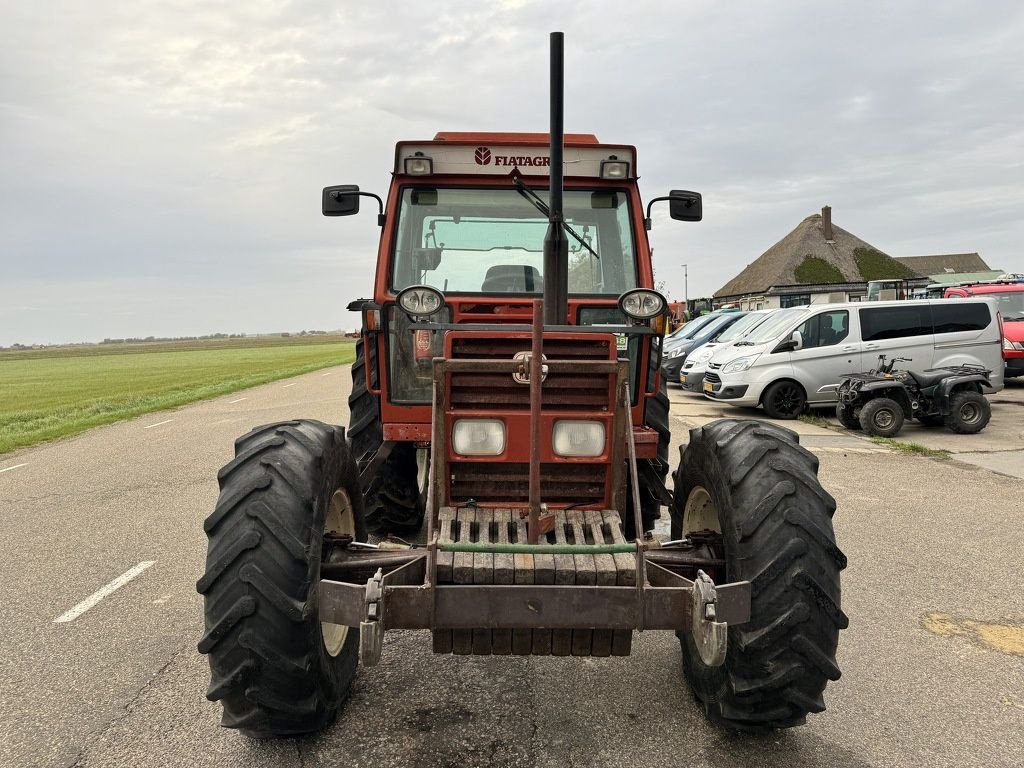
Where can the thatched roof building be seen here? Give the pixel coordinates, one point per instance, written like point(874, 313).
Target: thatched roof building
point(817, 261)
point(944, 264)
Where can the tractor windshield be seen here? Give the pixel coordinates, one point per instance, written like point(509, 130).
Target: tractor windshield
point(487, 240)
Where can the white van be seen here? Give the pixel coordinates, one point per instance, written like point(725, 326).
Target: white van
point(798, 355)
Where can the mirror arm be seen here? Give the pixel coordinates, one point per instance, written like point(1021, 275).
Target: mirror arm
point(381, 218)
point(647, 218)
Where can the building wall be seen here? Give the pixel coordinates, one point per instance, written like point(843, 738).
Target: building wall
point(775, 301)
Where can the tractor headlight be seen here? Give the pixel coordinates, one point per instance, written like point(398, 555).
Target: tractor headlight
point(578, 437)
point(642, 304)
point(420, 300)
point(739, 364)
point(478, 437)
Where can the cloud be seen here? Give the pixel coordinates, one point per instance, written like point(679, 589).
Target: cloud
point(177, 149)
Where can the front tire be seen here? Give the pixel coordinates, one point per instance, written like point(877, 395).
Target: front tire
point(881, 417)
point(761, 488)
point(848, 416)
point(969, 412)
point(274, 667)
point(784, 400)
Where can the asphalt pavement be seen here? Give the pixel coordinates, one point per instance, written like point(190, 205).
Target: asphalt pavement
point(933, 661)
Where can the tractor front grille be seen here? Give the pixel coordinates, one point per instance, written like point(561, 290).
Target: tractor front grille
point(564, 391)
point(490, 482)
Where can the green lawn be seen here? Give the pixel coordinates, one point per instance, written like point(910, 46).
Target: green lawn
point(46, 394)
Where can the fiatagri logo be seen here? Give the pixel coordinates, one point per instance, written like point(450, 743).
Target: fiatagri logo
point(483, 156)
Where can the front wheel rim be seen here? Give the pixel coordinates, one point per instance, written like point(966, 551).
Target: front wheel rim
point(340, 519)
point(885, 418)
point(700, 512)
point(787, 400)
point(970, 413)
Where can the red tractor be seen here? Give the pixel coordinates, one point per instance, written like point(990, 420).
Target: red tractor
point(507, 414)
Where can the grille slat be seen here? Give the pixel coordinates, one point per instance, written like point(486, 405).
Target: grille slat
point(565, 391)
point(559, 483)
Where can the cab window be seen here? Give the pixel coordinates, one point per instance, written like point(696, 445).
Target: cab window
point(825, 329)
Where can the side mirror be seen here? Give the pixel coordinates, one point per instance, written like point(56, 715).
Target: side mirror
point(682, 206)
point(685, 206)
point(341, 200)
point(794, 342)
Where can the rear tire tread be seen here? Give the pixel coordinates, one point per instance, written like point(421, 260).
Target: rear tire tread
point(777, 526)
point(269, 668)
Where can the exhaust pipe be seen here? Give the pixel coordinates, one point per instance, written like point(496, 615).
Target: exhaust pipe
point(556, 246)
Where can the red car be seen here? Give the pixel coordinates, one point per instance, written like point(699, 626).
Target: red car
point(1010, 304)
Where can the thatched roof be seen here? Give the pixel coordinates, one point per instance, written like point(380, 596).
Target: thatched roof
point(944, 263)
point(804, 256)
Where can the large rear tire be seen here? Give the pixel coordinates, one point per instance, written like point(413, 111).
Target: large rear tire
point(394, 501)
point(761, 488)
point(274, 667)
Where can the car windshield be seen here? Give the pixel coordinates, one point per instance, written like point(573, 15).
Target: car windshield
point(1009, 304)
point(773, 326)
point(487, 240)
point(741, 326)
point(689, 330)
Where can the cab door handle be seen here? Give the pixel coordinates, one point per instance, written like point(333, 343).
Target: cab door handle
point(870, 346)
point(849, 349)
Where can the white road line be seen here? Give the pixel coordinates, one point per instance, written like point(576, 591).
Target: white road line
point(8, 469)
point(150, 426)
point(289, 385)
point(232, 402)
point(103, 592)
point(329, 373)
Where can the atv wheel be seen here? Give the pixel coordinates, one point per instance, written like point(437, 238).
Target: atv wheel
point(394, 499)
point(881, 417)
point(275, 668)
point(784, 400)
point(753, 482)
point(847, 416)
point(969, 412)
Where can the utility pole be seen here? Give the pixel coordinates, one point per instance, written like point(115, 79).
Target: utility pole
point(686, 293)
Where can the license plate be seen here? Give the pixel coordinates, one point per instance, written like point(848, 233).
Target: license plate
point(708, 387)
point(621, 341)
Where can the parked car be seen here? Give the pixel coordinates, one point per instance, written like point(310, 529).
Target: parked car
point(696, 362)
point(799, 355)
point(1010, 303)
point(674, 356)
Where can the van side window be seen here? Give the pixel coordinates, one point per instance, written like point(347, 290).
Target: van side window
point(878, 323)
point(950, 318)
point(825, 329)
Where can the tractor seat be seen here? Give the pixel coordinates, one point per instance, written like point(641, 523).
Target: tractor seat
point(929, 378)
point(512, 278)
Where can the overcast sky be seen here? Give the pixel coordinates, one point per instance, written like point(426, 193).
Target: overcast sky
point(161, 162)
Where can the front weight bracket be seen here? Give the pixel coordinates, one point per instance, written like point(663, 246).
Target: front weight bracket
point(709, 635)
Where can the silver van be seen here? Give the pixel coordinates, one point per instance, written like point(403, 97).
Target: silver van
point(798, 355)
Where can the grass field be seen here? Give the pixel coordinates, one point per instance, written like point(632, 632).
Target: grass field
point(51, 393)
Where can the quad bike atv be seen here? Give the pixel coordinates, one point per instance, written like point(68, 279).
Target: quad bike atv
point(880, 400)
point(506, 399)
